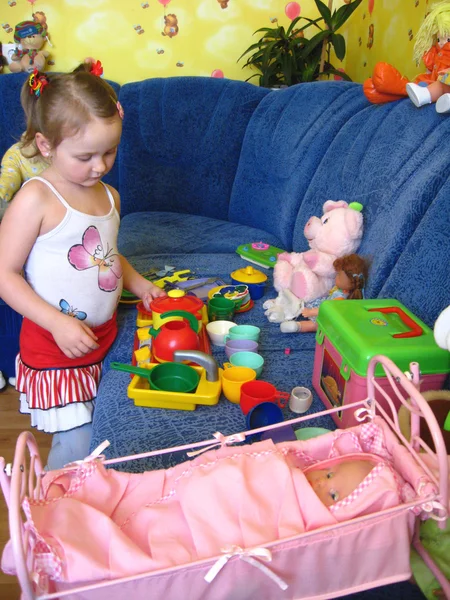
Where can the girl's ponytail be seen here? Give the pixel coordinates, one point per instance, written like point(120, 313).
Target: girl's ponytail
point(30, 98)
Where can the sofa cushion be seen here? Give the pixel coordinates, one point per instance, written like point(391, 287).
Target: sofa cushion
point(169, 232)
point(286, 140)
point(181, 143)
point(390, 159)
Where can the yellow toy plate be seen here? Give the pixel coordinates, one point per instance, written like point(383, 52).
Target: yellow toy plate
point(207, 392)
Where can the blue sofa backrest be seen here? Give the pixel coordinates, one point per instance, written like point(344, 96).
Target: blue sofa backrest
point(325, 141)
point(181, 143)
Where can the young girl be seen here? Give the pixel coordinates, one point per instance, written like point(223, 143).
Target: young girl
point(61, 230)
point(351, 277)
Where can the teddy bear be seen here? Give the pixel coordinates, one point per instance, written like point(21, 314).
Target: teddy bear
point(300, 277)
point(31, 35)
point(170, 26)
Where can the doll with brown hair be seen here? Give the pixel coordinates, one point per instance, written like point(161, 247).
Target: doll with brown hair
point(351, 277)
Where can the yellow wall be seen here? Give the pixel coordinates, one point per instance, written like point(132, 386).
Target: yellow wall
point(126, 35)
point(394, 22)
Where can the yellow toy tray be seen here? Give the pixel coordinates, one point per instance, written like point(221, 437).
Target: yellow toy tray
point(207, 392)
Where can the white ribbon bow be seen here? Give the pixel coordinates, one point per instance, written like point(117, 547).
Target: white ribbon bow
point(94, 455)
point(222, 440)
point(247, 555)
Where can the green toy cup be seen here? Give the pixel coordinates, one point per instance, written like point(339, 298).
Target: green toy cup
point(174, 377)
point(220, 309)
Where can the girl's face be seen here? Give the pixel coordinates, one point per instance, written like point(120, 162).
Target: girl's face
point(338, 481)
point(87, 156)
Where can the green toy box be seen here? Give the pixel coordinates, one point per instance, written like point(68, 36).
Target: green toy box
point(351, 332)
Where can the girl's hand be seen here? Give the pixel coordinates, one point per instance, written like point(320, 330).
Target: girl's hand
point(151, 292)
point(73, 337)
point(308, 312)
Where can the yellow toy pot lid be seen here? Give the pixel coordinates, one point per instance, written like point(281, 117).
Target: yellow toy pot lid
point(249, 275)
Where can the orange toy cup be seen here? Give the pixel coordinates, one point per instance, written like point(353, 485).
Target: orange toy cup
point(255, 392)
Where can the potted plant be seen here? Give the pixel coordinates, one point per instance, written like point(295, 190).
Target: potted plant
point(302, 52)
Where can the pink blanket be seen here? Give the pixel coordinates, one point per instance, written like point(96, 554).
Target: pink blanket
point(97, 523)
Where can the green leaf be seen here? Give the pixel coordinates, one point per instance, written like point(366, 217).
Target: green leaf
point(338, 43)
point(330, 70)
point(324, 11)
point(292, 25)
point(314, 42)
point(342, 14)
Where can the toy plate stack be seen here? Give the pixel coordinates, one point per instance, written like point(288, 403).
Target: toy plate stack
point(351, 332)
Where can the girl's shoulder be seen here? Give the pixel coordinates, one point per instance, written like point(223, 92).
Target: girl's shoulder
point(114, 193)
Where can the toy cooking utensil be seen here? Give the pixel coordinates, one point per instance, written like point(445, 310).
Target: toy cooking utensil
point(254, 279)
point(145, 373)
point(175, 300)
point(175, 335)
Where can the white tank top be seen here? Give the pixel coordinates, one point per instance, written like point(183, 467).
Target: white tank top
point(75, 267)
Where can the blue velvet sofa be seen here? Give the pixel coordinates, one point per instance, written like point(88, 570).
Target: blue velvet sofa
point(205, 165)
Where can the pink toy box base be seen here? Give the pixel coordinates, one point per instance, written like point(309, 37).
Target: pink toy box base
point(351, 332)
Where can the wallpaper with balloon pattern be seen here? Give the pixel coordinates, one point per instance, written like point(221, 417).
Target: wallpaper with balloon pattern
point(137, 39)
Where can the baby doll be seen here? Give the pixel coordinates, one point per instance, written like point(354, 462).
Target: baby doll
point(433, 48)
point(337, 481)
point(351, 277)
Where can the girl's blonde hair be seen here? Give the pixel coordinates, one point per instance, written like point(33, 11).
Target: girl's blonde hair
point(437, 22)
point(65, 105)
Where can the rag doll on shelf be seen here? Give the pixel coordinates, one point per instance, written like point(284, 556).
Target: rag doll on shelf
point(351, 278)
point(301, 277)
point(432, 46)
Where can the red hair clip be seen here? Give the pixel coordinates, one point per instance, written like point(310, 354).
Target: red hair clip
point(96, 68)
point(37, 82)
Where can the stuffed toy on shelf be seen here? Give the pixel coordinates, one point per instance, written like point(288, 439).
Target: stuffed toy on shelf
point(31, 35)
point(432, 46)
point(300, 277)
point(19, 163)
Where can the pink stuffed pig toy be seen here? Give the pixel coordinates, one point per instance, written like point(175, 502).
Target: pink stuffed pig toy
point(303, 276)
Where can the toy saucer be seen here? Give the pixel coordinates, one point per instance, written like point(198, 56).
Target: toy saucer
point(250, 304)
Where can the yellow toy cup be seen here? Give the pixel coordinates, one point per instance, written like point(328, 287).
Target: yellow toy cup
point(232, 380)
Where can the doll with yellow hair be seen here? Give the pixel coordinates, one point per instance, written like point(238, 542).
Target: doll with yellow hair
point(433, 48)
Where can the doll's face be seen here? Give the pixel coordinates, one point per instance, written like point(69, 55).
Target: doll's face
point(33, 42)
point(442, 40)
point(343, 281)
point(338, 481)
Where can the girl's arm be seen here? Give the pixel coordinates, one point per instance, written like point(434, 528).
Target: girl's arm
point(138, 285)
point(132, 280)
point(19, 230)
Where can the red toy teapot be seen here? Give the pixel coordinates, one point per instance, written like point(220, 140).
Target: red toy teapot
point(175, 335)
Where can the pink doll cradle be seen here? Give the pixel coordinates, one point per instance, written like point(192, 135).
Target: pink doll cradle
point(358, 545)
